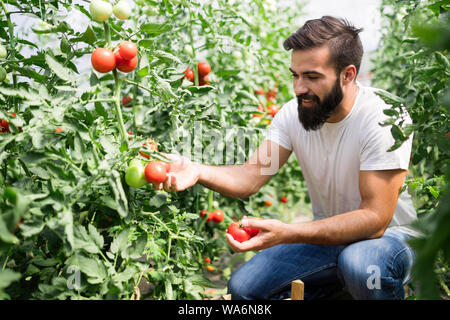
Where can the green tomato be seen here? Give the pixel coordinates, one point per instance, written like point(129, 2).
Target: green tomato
point(100, 10)
point(122, 10)
point(2, 74)
point(3, 52)
point(135, 176)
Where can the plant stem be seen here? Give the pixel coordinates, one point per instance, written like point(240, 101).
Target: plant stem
point(118, 84)
point(13, 50)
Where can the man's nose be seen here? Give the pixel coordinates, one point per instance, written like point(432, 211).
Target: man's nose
point(299, 87)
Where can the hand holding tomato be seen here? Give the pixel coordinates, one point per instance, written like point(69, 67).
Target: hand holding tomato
point(271, 232)
point(183, 174)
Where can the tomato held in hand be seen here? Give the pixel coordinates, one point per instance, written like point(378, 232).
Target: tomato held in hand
point(135, 176)
point(238, 232)
point(203, 68)
point(156, 172)
point(252, 231)
point(103, 60)
point(125, 65)
point(127, 50)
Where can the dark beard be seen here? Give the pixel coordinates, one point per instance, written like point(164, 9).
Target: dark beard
point(312, 118)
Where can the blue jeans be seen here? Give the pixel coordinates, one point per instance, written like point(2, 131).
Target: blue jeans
point(368, 269)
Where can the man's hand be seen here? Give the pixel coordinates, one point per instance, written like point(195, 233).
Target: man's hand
point(270, 234)
point(183, 174)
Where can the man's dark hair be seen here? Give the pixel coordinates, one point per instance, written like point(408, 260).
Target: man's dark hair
point(341, 37)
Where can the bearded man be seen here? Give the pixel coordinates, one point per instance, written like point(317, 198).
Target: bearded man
point(357, 239)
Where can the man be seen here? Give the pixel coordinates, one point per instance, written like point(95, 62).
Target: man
point(357, 238)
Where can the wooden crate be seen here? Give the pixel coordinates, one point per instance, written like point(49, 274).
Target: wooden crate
point(297, 291)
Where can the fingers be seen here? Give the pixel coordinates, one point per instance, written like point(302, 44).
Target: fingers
point(256, 223)
point(252, 244)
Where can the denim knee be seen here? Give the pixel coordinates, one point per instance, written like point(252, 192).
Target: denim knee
point(375, 269)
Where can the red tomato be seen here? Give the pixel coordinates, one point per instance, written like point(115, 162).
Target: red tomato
point(155, 172)
point(4, 126)
point(260, 91)
point(189, 74)
point(273, 109)
point(128, 50)
point(271, 94)
point(125, 65)
point(217, 216)
point(238, 232)
point(203, 68)
point(268, 203)
point(204, 80)
point(284, 199)
point(207, 260)
point(252, 231)
point(126, 100)
point(202, 213)
point(58, 130)
point(103, 60)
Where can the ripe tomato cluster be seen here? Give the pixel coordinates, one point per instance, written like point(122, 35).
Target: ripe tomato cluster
point(125, 59)
point(241, 233)
point(204, 68)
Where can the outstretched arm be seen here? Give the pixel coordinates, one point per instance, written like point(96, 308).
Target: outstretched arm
point(240, 181)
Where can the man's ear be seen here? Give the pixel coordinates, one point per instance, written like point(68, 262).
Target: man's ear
point(348, 74)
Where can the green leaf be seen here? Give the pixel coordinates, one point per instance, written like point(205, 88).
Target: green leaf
point(120, 242)
point(390, 98)
point(5, 234)
point(92, 267)
point(155, 28)
point(7, 276)
point(62, 72)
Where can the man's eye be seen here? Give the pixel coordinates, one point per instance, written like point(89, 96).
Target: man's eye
point(312, 78)
point(294, 75)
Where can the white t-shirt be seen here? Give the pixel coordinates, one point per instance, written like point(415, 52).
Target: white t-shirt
point(332, 157)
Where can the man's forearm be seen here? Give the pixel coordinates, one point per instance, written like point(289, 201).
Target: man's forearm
point(340, 229)
point(233, 181)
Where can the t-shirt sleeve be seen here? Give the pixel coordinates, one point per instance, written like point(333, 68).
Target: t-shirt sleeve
point(376, 143)
point(278, 130)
